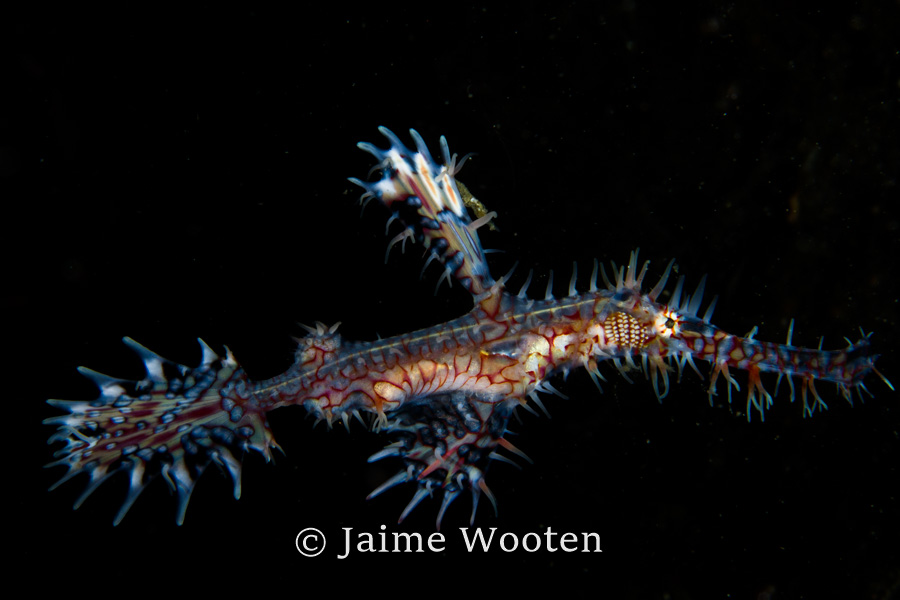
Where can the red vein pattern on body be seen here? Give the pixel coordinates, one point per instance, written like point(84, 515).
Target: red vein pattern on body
point(443, 394)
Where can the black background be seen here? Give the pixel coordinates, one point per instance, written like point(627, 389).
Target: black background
point(169, 174)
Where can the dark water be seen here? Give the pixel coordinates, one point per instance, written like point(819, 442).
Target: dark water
point(183, 174)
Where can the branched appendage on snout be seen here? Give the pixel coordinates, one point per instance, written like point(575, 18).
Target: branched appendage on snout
point(846, 367)
point(629, 324)
point(443, 394)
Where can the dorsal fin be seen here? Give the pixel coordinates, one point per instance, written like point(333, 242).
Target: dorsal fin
point(441, 221)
